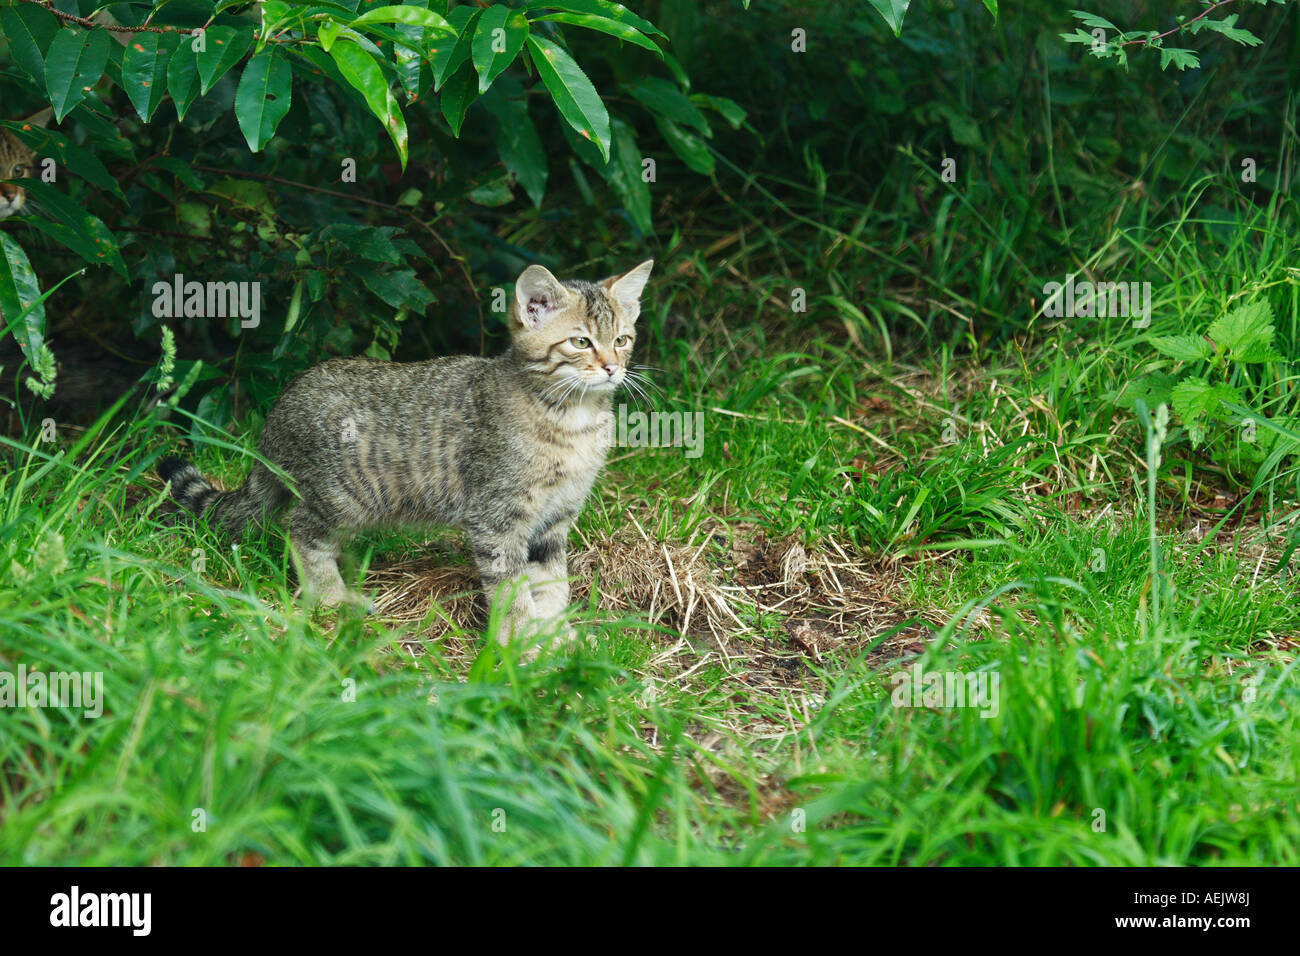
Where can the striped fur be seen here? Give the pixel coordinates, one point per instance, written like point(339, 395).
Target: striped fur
point(17, 162)
point(505, 448)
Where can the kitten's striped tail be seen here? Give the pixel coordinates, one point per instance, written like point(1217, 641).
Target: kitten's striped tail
point(231, 510)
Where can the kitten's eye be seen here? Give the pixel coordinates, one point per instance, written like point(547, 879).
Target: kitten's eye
point(622, 341)
point(578, 342)
point(20, 172)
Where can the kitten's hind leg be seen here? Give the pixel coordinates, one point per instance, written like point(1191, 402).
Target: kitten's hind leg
point(316, 554)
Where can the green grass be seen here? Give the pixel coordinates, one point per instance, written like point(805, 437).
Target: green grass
point(923, 419)
point(1121, 737)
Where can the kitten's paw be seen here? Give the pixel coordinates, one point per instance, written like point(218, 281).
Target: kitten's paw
point(344, 599)
point(570, 638)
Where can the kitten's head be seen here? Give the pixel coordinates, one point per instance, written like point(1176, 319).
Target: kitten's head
point(577, 335)
point(16, 162)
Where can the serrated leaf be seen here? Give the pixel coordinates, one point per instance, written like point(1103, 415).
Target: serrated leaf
point(399, 288)
point(223, 47)
point(1228, 28)
point(1185, 348)
point(1183, 59)
point(19, 288)
point(263, 97)
point(574, 96)
point(1195, 401)
point(73, 64)
point(1092, 20)
point(498, 38)
point(1243, 326)
point(144, 70)
point(373, 243)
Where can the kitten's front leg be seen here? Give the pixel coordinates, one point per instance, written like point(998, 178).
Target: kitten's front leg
point(501, 567)
point(548, 571)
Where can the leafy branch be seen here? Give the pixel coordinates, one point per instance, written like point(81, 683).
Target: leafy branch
point(1105, 40)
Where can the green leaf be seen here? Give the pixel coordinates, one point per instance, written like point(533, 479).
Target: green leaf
point(327, 33)
point(600, 8)
point(399, 288)
point(1246, 333)
point(624, 173)
point(223, 47)
point(449, 54)
point(520, 147)
point(74, 63)
point(360, 69)
point(1183, 59)
point(689, 147)
point(893, 12)
point(183, 79)
point(459, 92)
point(30, 29)
point(48, 142)
point(1184, 348)
point(992, 7)
point(1195, 400)
point(492, 193)
point(498, 38)
point(372, 243)
point(663, 98)
point(408, 63)
point(405, 13)
point(1228, 27)
point(70, 225)
point(144, 70)
point(731, 111)
point(575, 97)
point(605, 25)
point(263, 97)
point(1092, 20)
point(20, 289)
point(1154, 389)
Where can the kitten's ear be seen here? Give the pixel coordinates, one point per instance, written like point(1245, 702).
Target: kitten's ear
point(538, 297)
point(42, 118)
point(626, 289)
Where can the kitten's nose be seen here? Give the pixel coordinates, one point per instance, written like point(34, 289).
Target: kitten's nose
point(611, 368)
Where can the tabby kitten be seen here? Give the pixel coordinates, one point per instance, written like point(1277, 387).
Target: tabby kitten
point(505, 448)
point(17, 162)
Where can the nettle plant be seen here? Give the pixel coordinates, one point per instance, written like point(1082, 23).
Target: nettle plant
point(343, 153)
point(1209, 383)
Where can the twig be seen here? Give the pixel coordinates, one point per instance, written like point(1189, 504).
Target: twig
point(1147, 41)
